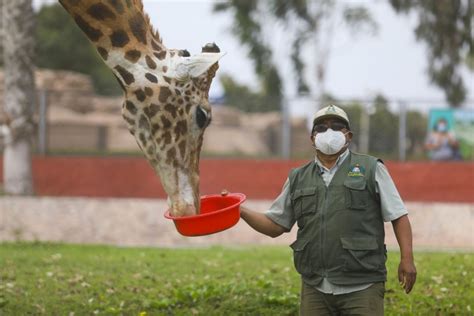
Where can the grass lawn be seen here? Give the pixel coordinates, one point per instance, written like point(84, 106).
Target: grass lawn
point(57, 279)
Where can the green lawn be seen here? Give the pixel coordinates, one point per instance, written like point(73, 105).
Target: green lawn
point(55, 279)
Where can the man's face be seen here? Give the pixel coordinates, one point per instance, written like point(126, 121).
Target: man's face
point(332, 123)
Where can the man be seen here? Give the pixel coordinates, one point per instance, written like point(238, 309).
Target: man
point(339, 202)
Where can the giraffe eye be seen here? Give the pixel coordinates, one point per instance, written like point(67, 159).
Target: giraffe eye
point(202, 117)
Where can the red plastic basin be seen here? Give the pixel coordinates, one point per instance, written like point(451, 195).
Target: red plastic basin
point(218, 213)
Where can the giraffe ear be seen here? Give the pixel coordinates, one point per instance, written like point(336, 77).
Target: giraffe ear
point(200, 63)
point(183, 68)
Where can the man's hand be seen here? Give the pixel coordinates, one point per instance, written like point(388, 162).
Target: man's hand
point(407, 274)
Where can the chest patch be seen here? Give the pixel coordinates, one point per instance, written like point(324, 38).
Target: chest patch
point(356, 171)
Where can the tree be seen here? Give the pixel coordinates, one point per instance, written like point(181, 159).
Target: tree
point(304, 22)
point(241, 97)
point(62, 45)
point(18, 45)
point(446, 28)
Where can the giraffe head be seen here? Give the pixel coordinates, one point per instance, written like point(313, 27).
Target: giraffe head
point(166, 91)
point(168, 115)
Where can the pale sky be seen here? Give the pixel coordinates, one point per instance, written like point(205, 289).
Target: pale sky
point(391, 62)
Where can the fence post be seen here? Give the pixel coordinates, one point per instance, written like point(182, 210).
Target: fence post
point(402, 131)
point(364, 129)
point(286, 129)
point(43, 122)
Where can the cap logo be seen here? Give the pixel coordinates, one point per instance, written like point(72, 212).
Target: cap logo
point(331, 109)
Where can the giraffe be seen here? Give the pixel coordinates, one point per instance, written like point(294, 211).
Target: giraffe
point(166, 91)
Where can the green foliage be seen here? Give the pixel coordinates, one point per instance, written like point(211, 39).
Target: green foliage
point(446, 28)
point(62, 45)
point(384, 127)
point(59, 279)
point(241, 97)
point(302, 21)
point(248, 30)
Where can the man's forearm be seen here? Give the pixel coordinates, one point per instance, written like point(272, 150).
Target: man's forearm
point(402, 230)
point(406, 268)
point(261, 223)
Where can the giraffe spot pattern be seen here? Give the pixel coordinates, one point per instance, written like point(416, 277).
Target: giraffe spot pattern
point(120, 82)
point(188, 107)
point(137, 26)
point(160, 55)
point(156, 46)
point(133, 55)
point(140, 94)
point(119, 38)
point(151, 77)
point(166, 138)
point(100, 12)
point(103, 52)
point(165, 122)
point(117, 5)
point(150, 63)
point(149, 91)
point(142, 138)
point(182, 148)
point(164, 69)
point(151, 110)
point(127, 77)
point(150, 151)
point(167, 79)
point(143, 123)
point(171, 109)
point(129, 121)
point(92, 33)
point(131, 107)
point(165, 92)
point(171, 155)
point(181, 128)
point(155, 128)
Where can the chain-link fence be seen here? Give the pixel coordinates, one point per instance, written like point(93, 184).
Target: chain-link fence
point(79, 122)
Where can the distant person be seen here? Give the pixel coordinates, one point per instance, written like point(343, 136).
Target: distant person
point(441, 143)
point(340, 200)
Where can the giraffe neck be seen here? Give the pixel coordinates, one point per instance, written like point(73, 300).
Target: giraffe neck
point(117, 28)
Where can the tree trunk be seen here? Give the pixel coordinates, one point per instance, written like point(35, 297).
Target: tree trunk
point(19, 92)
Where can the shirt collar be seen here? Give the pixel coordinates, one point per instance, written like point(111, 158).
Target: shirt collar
point(339, 161)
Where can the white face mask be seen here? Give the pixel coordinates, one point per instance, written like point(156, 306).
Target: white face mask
point(330, 142)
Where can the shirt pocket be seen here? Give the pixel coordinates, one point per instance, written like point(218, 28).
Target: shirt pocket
point(304, 201)
point(357, 196)
point(360, 254)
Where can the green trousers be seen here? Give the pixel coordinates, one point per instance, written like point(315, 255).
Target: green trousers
point(365, 302)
